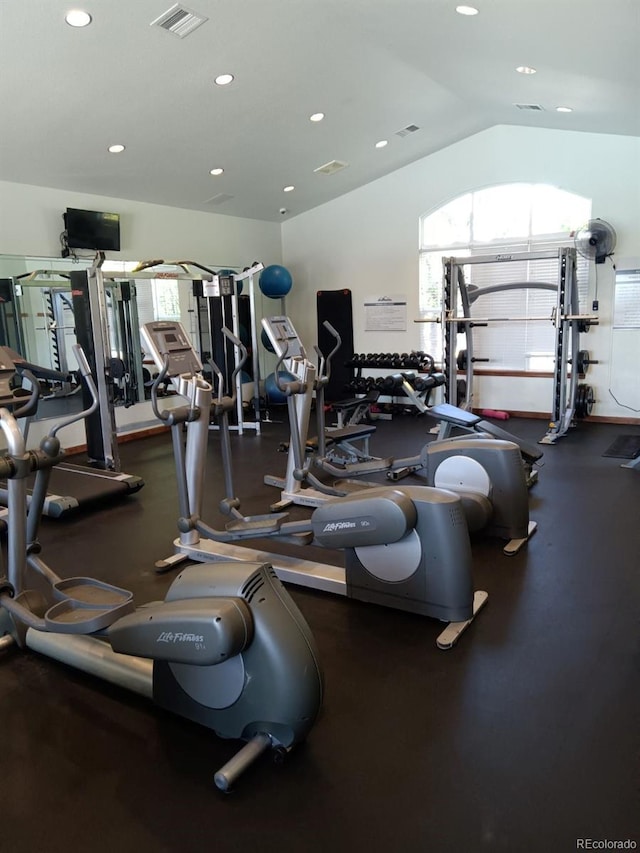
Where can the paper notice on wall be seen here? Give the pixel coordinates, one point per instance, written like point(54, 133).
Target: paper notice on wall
point(385, 314)
point(626, 311)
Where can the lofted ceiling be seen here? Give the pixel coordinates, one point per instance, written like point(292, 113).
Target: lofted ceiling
point(373, 67)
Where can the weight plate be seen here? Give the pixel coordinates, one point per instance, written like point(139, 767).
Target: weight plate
point(584, 401)
point(584, 360)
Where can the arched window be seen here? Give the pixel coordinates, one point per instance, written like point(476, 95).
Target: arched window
point(507, 218)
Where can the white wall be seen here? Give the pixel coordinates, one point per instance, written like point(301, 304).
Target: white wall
point(368, 241)
point(31, 222)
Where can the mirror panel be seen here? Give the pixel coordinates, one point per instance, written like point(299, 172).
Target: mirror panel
point(36, 320)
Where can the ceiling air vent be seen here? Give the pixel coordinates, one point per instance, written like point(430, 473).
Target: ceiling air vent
point(220, 198)
point(331, 167)
point(410, 128)
point(536, 108)
point(179, 20)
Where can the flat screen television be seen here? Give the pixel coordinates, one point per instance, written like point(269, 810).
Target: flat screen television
point(92, 229)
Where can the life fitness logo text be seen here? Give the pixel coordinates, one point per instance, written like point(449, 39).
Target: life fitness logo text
point(334, 526)
point(179, 637)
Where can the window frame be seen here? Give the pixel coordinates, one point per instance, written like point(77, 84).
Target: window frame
point(538, 359)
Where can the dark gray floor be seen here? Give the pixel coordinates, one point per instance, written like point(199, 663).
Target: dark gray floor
point(525, 737)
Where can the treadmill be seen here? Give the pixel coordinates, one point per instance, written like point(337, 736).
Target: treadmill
point(76, 486)
point(73, 487)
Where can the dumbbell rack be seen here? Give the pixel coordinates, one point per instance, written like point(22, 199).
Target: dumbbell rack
point(408, 367)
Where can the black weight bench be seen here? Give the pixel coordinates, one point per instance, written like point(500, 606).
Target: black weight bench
point(351, 412)
point(452, 416)
point(339, 442)
point(346, 444)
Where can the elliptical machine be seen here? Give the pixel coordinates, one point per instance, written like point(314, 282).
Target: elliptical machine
point(405, 548)
point(487, 473)
point(227, 648)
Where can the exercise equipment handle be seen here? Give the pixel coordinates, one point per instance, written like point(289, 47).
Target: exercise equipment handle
point(220, 381)
point(87, 376)
point(145, 265)
point(81, 358)
point(162, 415)
point(294, 386)
point(30, 405)
point(244, 354)
point(179, 414)
point(334, 332)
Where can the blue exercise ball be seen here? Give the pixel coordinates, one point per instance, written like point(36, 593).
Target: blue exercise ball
point(266, 342)
point(275, 281)
point(274, 395)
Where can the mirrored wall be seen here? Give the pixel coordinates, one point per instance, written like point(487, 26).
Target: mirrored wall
point(37, 321)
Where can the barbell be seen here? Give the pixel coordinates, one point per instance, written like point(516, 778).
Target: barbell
point(583, 360)
point(584, 320)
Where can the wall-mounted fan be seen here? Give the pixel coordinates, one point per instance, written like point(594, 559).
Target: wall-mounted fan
point(596, 239)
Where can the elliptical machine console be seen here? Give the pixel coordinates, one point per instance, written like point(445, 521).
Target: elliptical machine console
point(170, 339)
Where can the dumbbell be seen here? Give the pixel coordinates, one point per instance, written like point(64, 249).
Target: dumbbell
point(425, 383)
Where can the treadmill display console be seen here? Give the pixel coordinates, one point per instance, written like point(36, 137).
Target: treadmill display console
point(168, 338)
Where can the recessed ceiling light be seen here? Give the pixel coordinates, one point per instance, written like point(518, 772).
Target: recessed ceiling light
point(224, 79)
point(525, 69)
point(77, 18)
point(564, 109)
point(216, 172)
point(382, 143)
point(316, 117)
point(289, 189)
point(466, 10)
point(116, 149)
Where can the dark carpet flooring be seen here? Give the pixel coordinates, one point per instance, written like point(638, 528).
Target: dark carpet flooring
point(524, 737)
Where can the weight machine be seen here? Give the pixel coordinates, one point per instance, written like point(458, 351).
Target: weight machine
point(218, 307)
point(569, 399)
point(73, 485)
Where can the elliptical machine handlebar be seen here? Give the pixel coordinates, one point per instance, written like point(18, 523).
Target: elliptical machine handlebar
point(324, 363)
point(30, 404)
point(87, 375)
point(243, 356)
point(179, 414)
point(161, 414)
point(287, 386)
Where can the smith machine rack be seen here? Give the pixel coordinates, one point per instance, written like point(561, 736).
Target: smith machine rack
point(570, 400)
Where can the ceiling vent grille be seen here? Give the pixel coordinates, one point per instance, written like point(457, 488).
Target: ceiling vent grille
point(331, 167)
point(219, 198)
point(410, 128)
point(535, 108)
point(179, 20)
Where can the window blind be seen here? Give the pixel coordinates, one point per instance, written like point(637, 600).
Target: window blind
point(526, 345)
